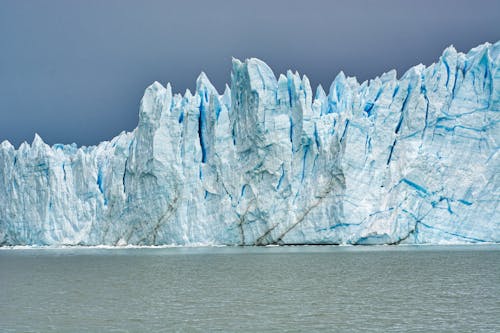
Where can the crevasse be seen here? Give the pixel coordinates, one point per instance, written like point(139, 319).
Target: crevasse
point(389, 161)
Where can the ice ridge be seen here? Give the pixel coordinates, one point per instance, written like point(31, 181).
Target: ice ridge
point(412, 160)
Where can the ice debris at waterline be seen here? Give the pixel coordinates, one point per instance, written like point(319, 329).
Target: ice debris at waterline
point(414, 160)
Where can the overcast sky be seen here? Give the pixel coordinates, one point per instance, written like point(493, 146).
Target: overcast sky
point(75, 71)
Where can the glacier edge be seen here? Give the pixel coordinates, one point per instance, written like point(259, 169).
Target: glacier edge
point(413, 160)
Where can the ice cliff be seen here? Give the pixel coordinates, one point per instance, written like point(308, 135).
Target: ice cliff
point(409, 160)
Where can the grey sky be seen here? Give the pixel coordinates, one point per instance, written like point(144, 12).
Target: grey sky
point(74, 71)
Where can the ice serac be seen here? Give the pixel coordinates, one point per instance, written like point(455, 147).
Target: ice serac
point(411, 160)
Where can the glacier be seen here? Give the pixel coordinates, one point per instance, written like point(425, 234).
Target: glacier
point(413, 160)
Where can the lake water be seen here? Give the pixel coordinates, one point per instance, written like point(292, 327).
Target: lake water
point(233, 289)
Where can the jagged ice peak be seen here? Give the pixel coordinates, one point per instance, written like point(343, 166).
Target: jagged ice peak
point(387, 161)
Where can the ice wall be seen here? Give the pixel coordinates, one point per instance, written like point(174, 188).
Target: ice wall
point(389, 161)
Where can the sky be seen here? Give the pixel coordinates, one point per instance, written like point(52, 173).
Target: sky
point(75, 71)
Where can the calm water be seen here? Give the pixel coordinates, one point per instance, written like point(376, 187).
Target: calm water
point(334, 289)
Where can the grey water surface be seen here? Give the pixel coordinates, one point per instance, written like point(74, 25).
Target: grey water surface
point(234, 289)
